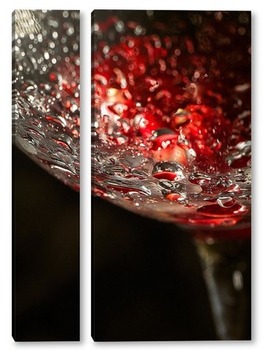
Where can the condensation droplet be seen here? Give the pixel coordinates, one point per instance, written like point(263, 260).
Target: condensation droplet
point(26, 145)
point(46, 55)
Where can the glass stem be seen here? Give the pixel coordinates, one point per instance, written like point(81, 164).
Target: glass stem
point(227, 272)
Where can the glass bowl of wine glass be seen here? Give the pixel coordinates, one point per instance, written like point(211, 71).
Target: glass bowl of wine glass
point(46, 87)
point(171, 134)
point(171, 115)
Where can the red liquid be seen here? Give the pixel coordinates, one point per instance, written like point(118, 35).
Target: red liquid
point(179, 102)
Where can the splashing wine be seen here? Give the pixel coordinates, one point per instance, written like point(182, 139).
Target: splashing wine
point(171, 130)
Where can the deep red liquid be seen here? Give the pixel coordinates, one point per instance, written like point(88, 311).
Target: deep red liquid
point(186, 99)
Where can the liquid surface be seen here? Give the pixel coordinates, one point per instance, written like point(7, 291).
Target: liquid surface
point(171, 115)
point(46, 87)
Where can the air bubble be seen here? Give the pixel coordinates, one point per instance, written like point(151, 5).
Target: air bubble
point(138, 30)
point(65, 14)
point(225, 201)
point(46, 55)
point(70, 31)
point(243, 17)
point(40, 38)
point(119, 26)
point(169, 170)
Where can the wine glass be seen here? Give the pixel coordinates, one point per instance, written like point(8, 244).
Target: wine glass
point(171, 136)
point(46, 128)
point(46, 83)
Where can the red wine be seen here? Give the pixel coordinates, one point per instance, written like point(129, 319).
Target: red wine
point(171, 131)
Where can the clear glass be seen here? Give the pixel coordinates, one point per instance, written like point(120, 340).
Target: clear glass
point(226, 266)
point(46, 84)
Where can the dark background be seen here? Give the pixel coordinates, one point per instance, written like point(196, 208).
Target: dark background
point(147, 282)
point(45, 255)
